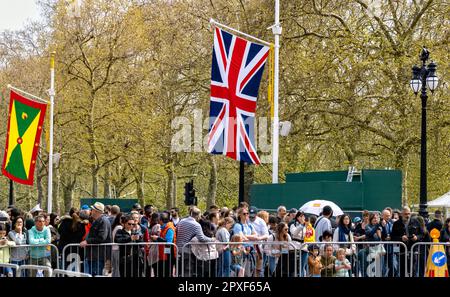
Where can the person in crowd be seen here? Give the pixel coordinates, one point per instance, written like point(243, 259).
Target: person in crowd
point(214, 208)
point(51, 221)
point(5, 220)
point(100, 232)
point(395, 215)
point(297, 230)
point(445, 237)
point(386, 223)
point(343, 233)
point(14, 213)
point(327, 261)
point(187, 229)
point(373, 229)
point(326, 237)
point(18, 235)
point(400, 232)
point(436, 223)
point(5, 250)
point(362, 250)
point(115, 210)
point(71, 230)
point(224, 212)
point(40, 235)
point(272, 224)
point(262, 231)
point(175, 216)
point(342, 265)
point(108, 211)
point(223, 235)
point(237, 255)
point(281, 212)
point(422, 236)
point(115, 253)
point(310, 233)
point(167, 254)
point(146, 218)
point(86, 219)
point(214, 217)
point(314, 261)
point(290, 215)
point(29, 220)
point(153, 253)
point(130, 263)
point(141, 228)
point(323, 223)
point(285, 265)
point(137, 207)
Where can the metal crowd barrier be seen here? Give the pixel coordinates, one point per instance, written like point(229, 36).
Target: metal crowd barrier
point(36, 270)
point(239, 259)
point(367, 259)
point(431, 257)
point(142, 259)
point(12, 267)
point(62, 273)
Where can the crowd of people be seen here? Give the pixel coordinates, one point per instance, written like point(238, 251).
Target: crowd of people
point(220, 242)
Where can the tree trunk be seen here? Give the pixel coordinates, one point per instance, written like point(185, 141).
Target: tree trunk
point(140, 188)
point(170, 186)
point(56, 192)
point(67, 197)
point(107, 182)
point(249, 176)
point(212, 187)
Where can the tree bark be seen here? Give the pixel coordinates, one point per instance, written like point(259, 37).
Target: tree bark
point(249, 176)
point(212, 188)
point(170, 186)
point(140, 188)
point(107, 182)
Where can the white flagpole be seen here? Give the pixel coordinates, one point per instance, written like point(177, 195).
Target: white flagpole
point(215, 23)
point(276, 29)
point(50, 154)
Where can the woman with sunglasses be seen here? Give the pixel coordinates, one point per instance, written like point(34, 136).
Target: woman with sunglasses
point(129, 251)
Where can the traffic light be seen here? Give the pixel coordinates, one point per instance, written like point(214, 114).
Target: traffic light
point(189, 194)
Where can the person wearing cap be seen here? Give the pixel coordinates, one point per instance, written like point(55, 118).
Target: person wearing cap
point(289, 217)
point(100, 232)
point(323, 222)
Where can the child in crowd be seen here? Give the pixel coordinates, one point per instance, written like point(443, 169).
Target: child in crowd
point(342, 264)
point(328, 261)
point(5, 246)
point(237, 252)
point(314, 262)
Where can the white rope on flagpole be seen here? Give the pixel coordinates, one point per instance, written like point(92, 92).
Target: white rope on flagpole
point(213, 22)
point(28, 94)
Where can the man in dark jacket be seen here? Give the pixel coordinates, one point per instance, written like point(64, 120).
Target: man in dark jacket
point(100, 232)
point(401, 231)
point(436, 223)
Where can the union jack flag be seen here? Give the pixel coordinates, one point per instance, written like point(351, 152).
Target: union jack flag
point(237, 67)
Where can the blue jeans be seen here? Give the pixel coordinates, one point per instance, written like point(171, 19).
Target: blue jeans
point(303, 266)
point(94, 267)
point(224, 265)
point(20, 263)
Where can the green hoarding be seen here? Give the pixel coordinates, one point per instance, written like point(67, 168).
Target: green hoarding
point(372, 190)
point(125, 204)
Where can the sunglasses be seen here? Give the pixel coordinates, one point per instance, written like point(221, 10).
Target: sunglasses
point(245, 213)
point(129, 224)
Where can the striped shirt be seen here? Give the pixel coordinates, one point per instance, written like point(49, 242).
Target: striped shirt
point(187, 229)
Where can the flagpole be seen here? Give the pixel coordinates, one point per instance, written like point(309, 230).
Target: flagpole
point(215, 23)
point(50, 153)
point(241, 181)
point(276, 29)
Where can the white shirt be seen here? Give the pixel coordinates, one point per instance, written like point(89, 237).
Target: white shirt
point(260, 226)
point(322, 224)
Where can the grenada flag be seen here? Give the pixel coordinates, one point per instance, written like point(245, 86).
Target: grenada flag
point(22, 139)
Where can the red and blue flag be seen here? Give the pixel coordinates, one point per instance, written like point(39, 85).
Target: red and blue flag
point(237, 68)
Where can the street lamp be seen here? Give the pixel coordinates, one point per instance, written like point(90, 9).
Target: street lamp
point(423, 77)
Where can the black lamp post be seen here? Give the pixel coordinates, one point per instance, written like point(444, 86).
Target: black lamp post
point(423, 77)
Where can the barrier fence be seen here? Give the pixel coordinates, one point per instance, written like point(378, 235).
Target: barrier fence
point(142, 259)
point(429, 259)
point(231, 259)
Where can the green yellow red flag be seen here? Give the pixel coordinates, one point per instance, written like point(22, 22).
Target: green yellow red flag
point(22, 139)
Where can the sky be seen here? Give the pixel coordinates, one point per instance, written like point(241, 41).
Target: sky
point(14, 13)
